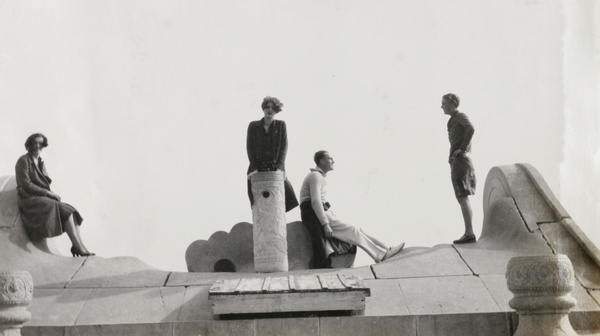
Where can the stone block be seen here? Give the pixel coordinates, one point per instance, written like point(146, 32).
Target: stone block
point(369, 325)
point(9, 209)
point(440, 260)
point(386, 299)
point(122, 306)
point(117, 272)
point(124, 329)
point(287, 327)
point(447, 295)
point(196, 306)
point(57, 307)
point(191, 328)
point(231, 328)
point(43, 331)
point(489, 324)
point(503, 237)
point(561, 241)
point(496, 285)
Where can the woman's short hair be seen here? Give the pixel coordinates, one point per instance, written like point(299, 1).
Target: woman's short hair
point(32, 138)
point(319, 155)
point(451, 97)
point(277, 105)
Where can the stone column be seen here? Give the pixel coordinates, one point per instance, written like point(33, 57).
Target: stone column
point(16, 292)
point(268, 216)
point(541, 287)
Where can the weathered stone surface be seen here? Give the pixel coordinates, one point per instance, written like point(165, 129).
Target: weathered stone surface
point(496, 285)
point(122, 305)
point(195, 306)
point(237, 246)
point(268, 217)
point(447, 295)
point(368, 325)
point(386, 299)
point(191, 328)
point(117, 272)
point(233, 328)
point(66, 305)
point(287, 326)
point(43, 331)
point(137, 329)
point(504, 236)
point(16, 292)
point(541, 286)
point(515, 181)
point(440, 260)
point(488, 324)
point(207, 279)
point(586, 270)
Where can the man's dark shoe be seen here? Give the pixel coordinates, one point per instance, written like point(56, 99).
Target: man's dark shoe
point(466, 239)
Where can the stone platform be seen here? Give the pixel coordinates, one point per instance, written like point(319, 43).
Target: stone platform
point(440, 290)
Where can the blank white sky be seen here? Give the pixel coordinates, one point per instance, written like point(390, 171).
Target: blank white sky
point(146, 105)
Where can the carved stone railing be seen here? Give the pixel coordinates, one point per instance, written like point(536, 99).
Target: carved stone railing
point(541, 286)
point(16, 292)
point(268, 216)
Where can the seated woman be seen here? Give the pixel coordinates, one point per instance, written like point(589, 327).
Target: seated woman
point(42, 212)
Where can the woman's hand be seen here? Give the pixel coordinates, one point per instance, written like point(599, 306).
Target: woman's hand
point(328, 231)
point(456, 153)
point(252, 173)
point(53, 195)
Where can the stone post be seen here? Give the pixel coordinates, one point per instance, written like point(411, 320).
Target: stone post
point(268, 216)
point(16, 292)
point(541, 287)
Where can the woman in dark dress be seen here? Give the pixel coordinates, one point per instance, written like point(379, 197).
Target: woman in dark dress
point(266, 145)
point(42, 212)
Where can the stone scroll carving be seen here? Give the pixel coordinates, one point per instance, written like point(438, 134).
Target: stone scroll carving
point(268, 216)
point(541, 286)
point(16, 292)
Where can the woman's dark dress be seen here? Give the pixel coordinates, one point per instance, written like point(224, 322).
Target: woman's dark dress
point(42, 216)
point(266, 152)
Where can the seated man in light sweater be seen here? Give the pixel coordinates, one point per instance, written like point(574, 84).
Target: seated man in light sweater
point(323, 225)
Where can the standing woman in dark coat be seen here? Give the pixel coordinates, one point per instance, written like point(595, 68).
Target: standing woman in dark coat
point(266, 145)
point(42, 212)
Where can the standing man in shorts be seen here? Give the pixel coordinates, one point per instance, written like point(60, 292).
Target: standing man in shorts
point(460, 133)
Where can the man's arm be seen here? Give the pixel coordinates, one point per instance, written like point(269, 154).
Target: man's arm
point(315, 184)
point(468, 130)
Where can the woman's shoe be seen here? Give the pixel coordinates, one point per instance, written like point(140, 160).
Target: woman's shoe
point(78, 253)
point(465, 239)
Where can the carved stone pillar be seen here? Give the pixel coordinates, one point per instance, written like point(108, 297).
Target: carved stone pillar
point(541, 287)
point(268, 216)
point(16, 292)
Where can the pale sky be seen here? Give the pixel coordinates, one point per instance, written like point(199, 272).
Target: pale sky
point(146, 106)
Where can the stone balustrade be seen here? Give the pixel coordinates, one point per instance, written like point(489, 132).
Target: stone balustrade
point(541, 286)
point(16, 292)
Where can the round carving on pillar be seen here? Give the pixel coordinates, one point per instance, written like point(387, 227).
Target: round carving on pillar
point(266, 194)
point(542, 274)
point(16, 292)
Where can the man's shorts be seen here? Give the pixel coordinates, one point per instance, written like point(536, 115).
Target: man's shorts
point(463, 176)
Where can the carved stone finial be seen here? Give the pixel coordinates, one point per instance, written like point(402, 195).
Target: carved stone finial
point(541, 286)
point(16, 292)
point(268, 216)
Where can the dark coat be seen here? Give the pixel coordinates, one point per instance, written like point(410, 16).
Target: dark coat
point(266, 150)
point(42, 216)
